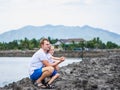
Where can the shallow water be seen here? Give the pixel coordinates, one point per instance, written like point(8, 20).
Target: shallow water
point(16, 68)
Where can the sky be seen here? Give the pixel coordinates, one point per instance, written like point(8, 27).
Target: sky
point(104, 14)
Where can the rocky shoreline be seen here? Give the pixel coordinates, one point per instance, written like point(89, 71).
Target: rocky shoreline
point(99, 73)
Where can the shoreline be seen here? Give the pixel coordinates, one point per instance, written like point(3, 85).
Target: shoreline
point(74, 54)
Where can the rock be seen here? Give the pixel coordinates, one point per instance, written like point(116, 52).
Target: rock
point(90, 74)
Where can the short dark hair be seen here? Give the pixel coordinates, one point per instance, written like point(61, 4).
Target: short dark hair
point(42, 41)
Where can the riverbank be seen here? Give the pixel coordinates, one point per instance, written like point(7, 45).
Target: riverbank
point(98, 73)
point(73, 54)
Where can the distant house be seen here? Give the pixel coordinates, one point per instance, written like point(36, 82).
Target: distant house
point(67, 42)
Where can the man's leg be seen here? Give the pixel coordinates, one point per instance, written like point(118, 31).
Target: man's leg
point(47, 71)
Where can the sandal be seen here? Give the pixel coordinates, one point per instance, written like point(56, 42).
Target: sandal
point(40, 85)
point(43, 82)
point(48, 86)
point(33, 81)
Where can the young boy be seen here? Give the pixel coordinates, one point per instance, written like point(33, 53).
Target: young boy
point(52, 59)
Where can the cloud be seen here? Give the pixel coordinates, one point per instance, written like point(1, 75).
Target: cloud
point(99, 13)
point(4, 4)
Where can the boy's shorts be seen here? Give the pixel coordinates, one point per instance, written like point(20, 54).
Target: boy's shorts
point(36, 74)
point(54, 73)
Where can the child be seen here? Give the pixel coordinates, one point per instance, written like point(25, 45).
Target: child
point(52, 59)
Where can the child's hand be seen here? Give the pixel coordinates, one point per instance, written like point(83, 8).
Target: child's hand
point(62, 59)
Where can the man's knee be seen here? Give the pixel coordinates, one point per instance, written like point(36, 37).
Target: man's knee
point(50, 69)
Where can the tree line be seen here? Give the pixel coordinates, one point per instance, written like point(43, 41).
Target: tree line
point(26, 44)
point(95, 43)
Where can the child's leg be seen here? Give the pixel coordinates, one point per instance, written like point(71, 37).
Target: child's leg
point(53, 78)
point(57, 67)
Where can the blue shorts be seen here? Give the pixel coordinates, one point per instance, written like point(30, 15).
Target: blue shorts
point(54, 73)
point(36, 74)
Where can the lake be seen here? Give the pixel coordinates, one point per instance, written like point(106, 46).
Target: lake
point(15, 68)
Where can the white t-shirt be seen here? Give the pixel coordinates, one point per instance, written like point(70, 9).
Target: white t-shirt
point(49, 56)
point(36, 61)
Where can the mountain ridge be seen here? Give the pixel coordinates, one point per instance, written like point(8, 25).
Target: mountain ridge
point(60, 32)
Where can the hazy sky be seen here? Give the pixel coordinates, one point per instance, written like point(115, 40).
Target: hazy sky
point(103, 14)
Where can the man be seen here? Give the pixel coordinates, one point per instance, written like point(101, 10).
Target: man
point(40, 68)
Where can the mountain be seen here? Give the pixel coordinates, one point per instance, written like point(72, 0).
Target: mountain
point(60, 32)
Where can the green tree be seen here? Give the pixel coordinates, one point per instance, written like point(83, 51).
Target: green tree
point(33, 44)
point(111, 45)
point(13, 45)
point(24, 44)
point(52, 41)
